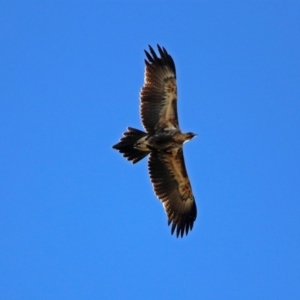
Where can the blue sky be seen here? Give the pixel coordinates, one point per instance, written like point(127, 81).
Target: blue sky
point(77, 221)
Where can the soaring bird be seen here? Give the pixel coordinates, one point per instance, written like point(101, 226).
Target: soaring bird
point(163, 141)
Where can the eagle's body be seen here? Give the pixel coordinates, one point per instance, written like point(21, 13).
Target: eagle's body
point(163, 140)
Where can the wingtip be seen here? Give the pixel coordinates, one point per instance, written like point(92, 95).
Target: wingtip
point(150, 49)
point(180, 229)
point(159, 47)
point(153, 53)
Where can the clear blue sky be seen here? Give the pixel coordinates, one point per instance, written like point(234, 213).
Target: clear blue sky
point(77, 221)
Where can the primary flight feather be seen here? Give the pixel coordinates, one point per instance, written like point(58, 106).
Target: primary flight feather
point(163, 141)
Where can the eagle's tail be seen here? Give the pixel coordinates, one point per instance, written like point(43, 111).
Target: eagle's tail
point(127, 142)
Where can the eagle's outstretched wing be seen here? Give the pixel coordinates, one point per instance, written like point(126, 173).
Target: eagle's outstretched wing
point(158, 96)
point(172, 186)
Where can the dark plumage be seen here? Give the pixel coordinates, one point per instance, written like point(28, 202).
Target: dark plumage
point(163, 140)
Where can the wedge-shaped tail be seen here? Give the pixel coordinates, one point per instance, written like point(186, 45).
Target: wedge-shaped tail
point(127, 142)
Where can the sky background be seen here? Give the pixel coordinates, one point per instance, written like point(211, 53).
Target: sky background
point(77, 221)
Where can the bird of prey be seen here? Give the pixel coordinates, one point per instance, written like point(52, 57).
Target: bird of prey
point(163, 141)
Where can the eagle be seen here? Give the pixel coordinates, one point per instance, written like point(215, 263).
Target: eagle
point(162, 141)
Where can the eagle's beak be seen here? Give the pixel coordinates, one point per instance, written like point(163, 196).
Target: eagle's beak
point(192, 135)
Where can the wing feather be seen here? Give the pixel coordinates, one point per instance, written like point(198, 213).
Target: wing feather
point(172, 186)
point(158, 96)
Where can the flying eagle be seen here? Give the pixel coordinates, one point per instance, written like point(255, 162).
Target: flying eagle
point(163, 141)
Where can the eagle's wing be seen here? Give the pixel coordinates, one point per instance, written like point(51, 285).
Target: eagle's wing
point(172, 186)
point(158, 96)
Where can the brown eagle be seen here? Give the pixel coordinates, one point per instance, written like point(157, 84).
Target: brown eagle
point(163, 141)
